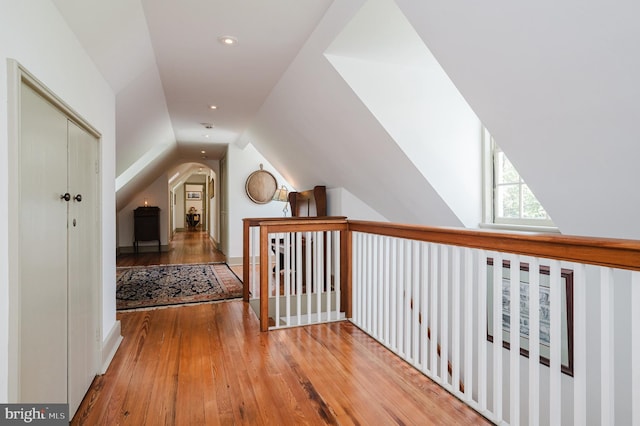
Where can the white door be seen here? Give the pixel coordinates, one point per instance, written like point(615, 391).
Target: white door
point(43, 251)
point(59, 255)
point(83, 262)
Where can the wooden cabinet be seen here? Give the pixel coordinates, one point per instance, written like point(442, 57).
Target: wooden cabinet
point(146, 224)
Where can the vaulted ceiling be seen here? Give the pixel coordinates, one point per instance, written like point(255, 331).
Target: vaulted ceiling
point(554, 83)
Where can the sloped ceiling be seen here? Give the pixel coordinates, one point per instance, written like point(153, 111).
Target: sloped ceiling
point(556, 85)
point(167, 67)
point(315, 130)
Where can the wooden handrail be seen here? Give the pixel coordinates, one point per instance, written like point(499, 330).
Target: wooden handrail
point(257, 221)
point(609, 252)
point(288, 224)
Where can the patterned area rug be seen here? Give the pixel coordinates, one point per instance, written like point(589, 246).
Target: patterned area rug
point(149, 286)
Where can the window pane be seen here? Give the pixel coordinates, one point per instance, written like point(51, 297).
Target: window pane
point(506, 173)
point(531, 206)
point(508, 204)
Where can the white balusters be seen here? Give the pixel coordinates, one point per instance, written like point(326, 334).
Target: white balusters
point(580, 344)
point(497, 335)
point(481, 331)
point(607, 347)
point(433, 319)
point(555, 346)
point(393, 290)
point(287, 276)
point(635, 348)
point(514, 339)
point(432, 303)
point(424, 304)
point(443, 283)
point(534, 342)
point(455, 320)
point(468, 325)
point(308, 273)
point(299, 292)
point(415, 304)
point(254, 254)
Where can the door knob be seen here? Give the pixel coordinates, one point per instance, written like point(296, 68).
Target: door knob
point(66, 196)
point(78, 198)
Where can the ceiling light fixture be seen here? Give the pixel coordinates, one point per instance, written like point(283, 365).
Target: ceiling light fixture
point(213, 107)
point(203, 152)
point(228, 40)
point(207, 125)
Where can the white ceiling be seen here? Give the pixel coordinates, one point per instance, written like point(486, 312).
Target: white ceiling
point(164, 62)
point(555, 83)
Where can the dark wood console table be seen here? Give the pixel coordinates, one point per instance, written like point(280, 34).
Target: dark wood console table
point(146, 224)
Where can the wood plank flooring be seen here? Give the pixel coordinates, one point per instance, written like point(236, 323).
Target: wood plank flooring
point(209, 364)
point(186, 247)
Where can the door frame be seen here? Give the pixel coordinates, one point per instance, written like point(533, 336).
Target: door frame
point(16, 76)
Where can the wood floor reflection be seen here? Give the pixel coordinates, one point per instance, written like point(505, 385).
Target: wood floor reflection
point(185, 247)
point(208, 364)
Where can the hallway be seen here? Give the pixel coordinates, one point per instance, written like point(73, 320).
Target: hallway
point(208, 364)
point(185, 247)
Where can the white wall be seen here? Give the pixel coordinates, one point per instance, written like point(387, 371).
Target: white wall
point(214, 216)
point(35, 35)
point(157, 195)
point(341, 202)
point(387, 65)
point(240, 164)
point(556, 85)
point(317, 131)
point(179, 208)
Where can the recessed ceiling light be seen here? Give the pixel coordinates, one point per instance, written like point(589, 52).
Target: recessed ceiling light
point(228, 40)
point(213, 107)
point(203, 152)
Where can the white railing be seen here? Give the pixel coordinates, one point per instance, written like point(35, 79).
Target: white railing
point(433, 304)
point(441, 299)
point(297, 263)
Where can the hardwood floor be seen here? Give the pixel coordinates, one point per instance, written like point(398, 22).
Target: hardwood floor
point(186, 247)
point(209, 364)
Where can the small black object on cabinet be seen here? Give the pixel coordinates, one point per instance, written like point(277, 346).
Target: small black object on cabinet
point(146, 224)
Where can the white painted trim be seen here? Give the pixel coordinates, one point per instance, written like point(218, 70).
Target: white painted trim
point(13, 124)
point(234, 261)
point(215, 243)
point(110, 345)
point(520, 228)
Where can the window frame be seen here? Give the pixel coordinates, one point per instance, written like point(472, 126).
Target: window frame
point(490, 185)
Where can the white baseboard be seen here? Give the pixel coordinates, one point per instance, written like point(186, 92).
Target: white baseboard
point(234, 261)
point(110, 345)
point(215, 243)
